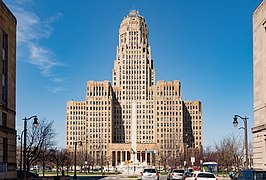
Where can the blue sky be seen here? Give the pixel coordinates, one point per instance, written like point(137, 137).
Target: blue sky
point(205, 44)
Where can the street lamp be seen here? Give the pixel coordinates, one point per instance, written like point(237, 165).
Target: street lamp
point(20, 139)
point(20, 162)
point(159, 166)
point(75, 158)
point(187, 158)
point(235, 123)
point(35, 124)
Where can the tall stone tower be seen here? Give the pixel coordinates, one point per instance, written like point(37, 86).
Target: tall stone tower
point(133, 76)
point(133, 116)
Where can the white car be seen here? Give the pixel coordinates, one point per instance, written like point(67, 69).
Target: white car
point(202, 176)
point(176, 174)
point(149, 174)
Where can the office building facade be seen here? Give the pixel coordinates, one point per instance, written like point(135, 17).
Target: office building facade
point(7, 92)
point(106, 128)
point(259, 70)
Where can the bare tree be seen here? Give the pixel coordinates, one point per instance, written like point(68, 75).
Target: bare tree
point(208, 154)
point(38, 141)
point(44, 158)
point(68, 161)
point(59, 158)
point(228, 151)
point(91, 161)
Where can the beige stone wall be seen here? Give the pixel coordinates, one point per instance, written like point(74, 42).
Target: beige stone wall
point(259, 69)
point(193, 123)
point(99, 100)
point(8, 105)
point(75, 123)
point(168, 114)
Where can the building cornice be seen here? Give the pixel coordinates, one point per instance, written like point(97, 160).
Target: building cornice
point(7, 130)
point(8, 13)
point(260, 107)
point(259, 128)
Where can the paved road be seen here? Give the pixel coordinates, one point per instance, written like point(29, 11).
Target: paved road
point(112, 177)
point(124, 177)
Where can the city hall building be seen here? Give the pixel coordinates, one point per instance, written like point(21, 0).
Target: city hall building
point(160, 128)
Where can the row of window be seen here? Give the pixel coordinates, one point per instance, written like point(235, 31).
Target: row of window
point(4, 66)
point(77, 107)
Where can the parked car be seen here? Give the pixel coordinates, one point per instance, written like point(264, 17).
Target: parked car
point(202, 176)
point(175, 174)
point(250, 174)
point(150, 174)
point(30, 174)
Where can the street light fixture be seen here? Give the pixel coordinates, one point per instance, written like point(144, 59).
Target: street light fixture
point(75, 158)
point(35, 124)
point(235, 123)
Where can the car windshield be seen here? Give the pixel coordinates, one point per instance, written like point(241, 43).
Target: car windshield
point(178, 171)
point(261, 175)
point(149, 171)
point(249, 174)
point(206, 175)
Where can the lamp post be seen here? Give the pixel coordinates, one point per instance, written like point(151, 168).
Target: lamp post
point(35, 124)
point(75, 158)
point(159, 166)
point(20, 139)
point(20, 163)
point(187, 157)
point(235, 123)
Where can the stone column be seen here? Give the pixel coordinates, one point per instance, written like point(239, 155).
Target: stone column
point(146, 157)
point(126, 156)
point(121, 156)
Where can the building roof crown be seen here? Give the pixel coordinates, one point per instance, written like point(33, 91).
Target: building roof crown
point(134, 14)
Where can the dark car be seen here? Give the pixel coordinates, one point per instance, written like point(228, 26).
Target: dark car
point(30, 174)
point(187, 174)
point(250, 174)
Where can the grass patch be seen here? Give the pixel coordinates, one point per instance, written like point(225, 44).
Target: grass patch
point(134, 176)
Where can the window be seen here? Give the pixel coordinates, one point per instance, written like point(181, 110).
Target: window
point(5, 150)
point(4, 67)
point(4, 119)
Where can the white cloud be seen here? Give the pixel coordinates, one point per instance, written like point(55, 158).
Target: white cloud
point(31, 29)
point(42, 58)
point(58, 79)
point(55, 90)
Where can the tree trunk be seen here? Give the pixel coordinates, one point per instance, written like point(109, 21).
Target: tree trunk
point(43, 166)
point(57, 170)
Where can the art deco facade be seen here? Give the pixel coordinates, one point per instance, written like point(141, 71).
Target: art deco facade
point(103, 122)
point(7, 92)
point(259, 69)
